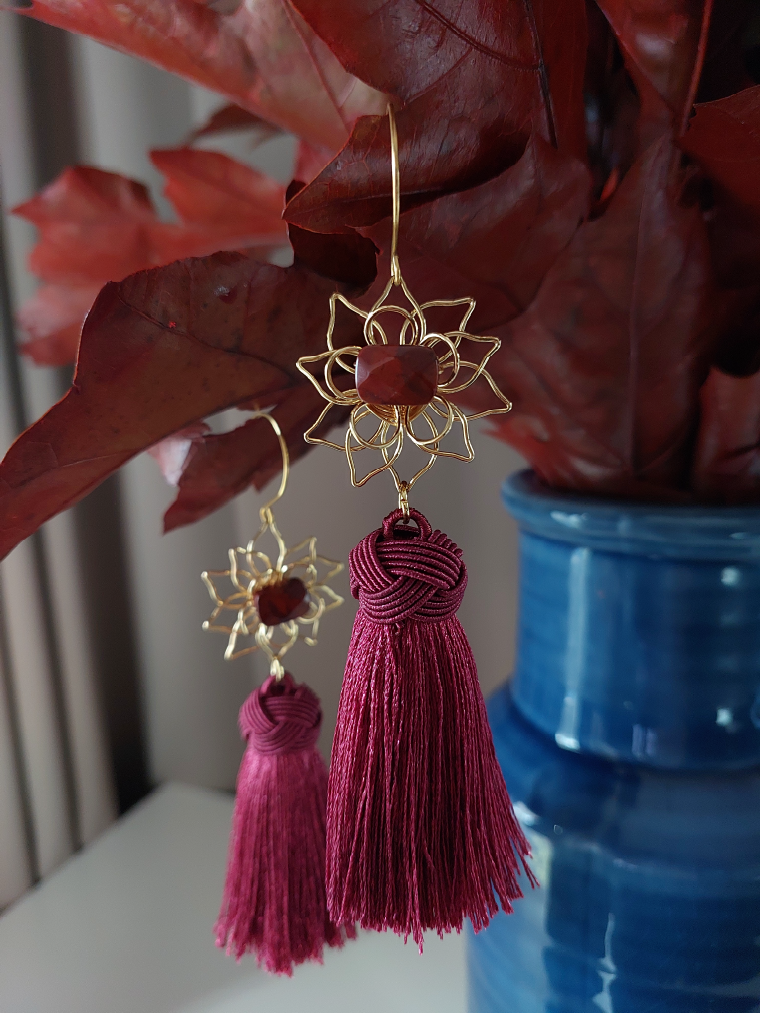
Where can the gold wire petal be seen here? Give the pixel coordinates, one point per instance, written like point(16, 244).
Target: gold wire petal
point(384, 446)
point(308, 435)
point(330, 392)
point(450, 359)
point(430, 444)
point(378, 440)
point(478, 372)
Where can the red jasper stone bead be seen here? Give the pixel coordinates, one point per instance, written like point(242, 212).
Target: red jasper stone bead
point(396, 374)
point(286, 600)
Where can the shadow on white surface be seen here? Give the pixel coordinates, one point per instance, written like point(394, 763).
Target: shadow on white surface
point(377, 972)
point(126, 926)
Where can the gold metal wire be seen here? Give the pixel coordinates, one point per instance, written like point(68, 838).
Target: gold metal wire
point(251, 570)
point(395, 422)
point(396, 197)
point(266, 510)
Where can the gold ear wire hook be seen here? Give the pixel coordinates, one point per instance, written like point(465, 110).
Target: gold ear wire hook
point(396, 192)
point(265, 512)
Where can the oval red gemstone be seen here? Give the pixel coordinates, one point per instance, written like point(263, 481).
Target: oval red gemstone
point(396, 374)
point(286, 600)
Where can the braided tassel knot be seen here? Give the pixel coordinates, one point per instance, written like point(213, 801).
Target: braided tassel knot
point(281, 718)
point(420, 829)
point(395, 579)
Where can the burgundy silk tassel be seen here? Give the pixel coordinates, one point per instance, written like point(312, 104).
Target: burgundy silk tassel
point(274, 900)
point(420, 829)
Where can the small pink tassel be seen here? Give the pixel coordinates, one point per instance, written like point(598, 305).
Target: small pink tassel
point(420, 829)
point(274, 894)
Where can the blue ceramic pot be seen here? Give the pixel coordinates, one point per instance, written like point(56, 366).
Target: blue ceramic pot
point(630, 743)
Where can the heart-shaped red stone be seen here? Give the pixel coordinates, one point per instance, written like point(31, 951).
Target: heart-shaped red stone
point(283, 601)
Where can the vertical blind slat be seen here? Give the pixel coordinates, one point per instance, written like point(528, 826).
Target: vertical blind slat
point(56, 778)
point(90, 761)
point(17, 853)
point(38, 717)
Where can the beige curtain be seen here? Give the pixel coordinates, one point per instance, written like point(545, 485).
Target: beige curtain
point(56, 783)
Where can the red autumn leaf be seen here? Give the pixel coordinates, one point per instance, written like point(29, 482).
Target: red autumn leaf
point(475, 79)
point(263, 57)
point(664, 45)
point(605, 366)
point(505, 233)
point(96, 227)
point(216, 467)
point(210, 189)
point(310, 160)
point(727, 459)
point(494, 242)
point(234, 119)
point(738, 349)
point(345, 257)
point(91, 224)
point(724, 138)
point(51, 321)
point(159, 351)
point(219, 466)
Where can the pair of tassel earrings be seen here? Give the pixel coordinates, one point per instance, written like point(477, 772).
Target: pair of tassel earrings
point(414, 829)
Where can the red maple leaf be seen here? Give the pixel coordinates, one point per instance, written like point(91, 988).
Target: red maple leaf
point(727, 459)
point(96, 227)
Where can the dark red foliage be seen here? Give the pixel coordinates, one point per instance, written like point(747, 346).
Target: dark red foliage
point(663, 46)
point(605, 366)
point(475, 81)
point(345, 256)
point(554, 166)
point(727, 459)
point(232, 119)
point(505, 233)
point(263, 57)
point(724, 138)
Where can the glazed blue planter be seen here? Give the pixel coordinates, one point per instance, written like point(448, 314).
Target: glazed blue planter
point(630, 743)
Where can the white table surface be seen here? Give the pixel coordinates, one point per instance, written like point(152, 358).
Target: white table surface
point(126, 926)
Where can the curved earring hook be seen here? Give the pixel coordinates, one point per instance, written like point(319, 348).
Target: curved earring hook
point(265, 512)
point(396, 191)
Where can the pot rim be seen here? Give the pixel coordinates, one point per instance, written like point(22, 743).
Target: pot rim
point(693, 531)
